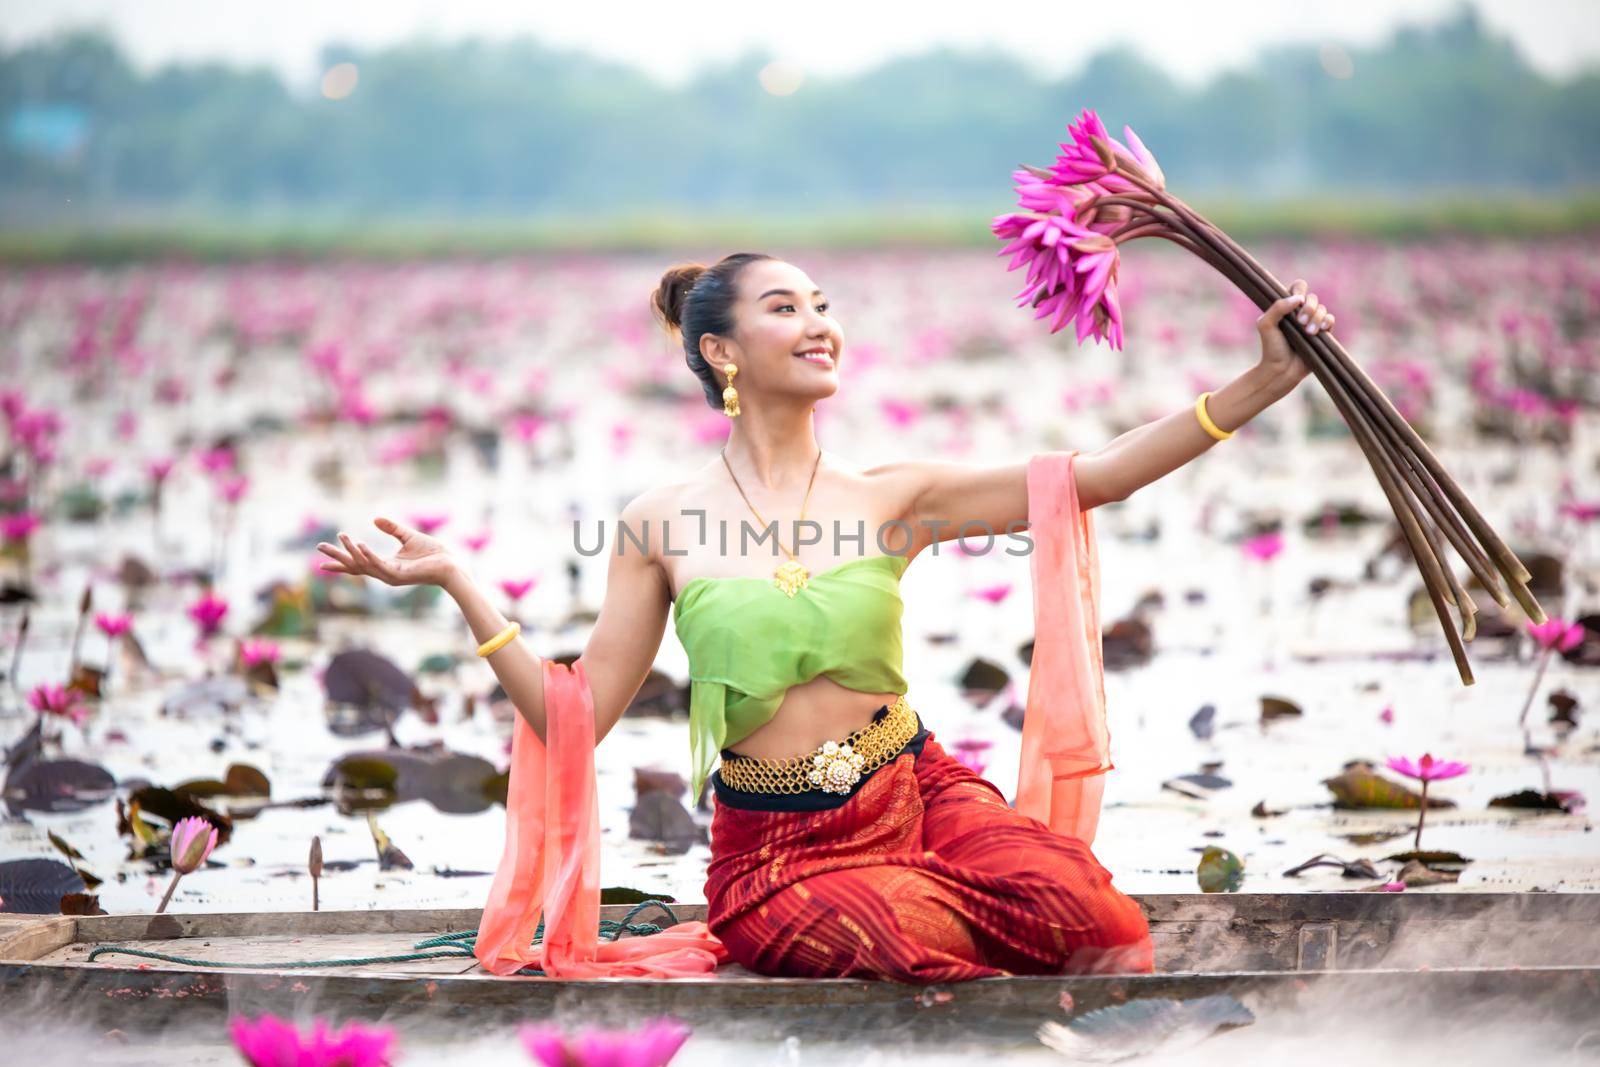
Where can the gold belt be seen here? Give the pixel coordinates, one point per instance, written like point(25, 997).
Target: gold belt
point(833, 767)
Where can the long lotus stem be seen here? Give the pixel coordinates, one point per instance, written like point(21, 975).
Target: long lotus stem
point(1440, 582)
point(1422, 813)
point(1512, 567)
point(176, 876)
point(1544, 661)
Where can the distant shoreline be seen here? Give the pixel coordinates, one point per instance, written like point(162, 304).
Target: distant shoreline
point(301, 234)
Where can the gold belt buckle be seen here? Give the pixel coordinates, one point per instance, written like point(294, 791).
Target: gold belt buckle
point(834, 767)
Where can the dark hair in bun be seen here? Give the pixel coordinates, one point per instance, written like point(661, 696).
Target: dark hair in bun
point(696, 300)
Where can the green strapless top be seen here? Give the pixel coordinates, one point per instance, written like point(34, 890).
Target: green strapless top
point(748, 642)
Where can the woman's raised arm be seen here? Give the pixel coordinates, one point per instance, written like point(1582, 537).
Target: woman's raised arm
point(623, 645)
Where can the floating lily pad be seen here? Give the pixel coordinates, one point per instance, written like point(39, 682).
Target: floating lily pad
point(1361, 787)
point(171, 806)
point(241, 780)
point(1198, 786)
point(1127, 643)
point(61, 785)
point(1431, 858)
point(370, 684)
point(452, 782)
point(1219, 871)
point(1143, 1026)
point(982, 679)
point(661, 817)
point(36, 886)
point(1533, 800)
point(1278, 708)
point(621, 894)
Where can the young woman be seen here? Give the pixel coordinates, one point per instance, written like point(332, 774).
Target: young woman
point(845, 840)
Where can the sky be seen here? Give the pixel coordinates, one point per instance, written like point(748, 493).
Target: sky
point(1192, 39)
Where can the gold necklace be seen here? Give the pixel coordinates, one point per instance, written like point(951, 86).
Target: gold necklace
point(790, 577)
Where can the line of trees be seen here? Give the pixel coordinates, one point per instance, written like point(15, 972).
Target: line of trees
point(517, 126)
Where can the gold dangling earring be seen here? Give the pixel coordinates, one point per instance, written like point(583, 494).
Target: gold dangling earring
point(730, 395)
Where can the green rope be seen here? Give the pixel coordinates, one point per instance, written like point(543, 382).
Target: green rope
point(460, 944)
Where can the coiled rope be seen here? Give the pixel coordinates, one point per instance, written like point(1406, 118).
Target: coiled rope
point(457, 945)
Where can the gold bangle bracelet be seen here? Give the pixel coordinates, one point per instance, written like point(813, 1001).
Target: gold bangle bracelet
point(1205, 420)
point(500, 640)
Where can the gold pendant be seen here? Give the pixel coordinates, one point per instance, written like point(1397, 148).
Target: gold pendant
point(791, 578)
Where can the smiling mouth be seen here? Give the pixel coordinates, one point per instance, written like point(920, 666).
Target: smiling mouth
point(819, 358)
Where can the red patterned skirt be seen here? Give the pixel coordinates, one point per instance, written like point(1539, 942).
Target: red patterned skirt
point(924, 874)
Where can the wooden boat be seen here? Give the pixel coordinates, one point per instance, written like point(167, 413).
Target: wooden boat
point(1446, 950)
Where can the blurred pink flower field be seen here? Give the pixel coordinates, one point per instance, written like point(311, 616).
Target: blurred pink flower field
point(179, 437)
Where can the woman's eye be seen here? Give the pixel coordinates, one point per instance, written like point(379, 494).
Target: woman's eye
point(823, 309)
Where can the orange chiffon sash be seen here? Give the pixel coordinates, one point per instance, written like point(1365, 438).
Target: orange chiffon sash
point(1065, 742)
point(551, 861)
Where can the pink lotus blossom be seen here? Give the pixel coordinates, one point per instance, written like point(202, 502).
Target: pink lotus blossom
point(1558, 634)
point(208, 612)
point(113, 626)
point(192, 840)
point(18, 527)
point(429, 523)
point(994, 594)
point(1264, 546)
point(355, 407)
point(899, 413)
point(653, 1045)
point(61, 701)
point(273, 1042)
point(1394, 887)
point(1387, 716)
point(527, 426)
point(475, 542)
point(1080, 162)
point(217, 460)
point(158, 469)
point(517, 589)
point(1073, 267)
point(1427, 769)
point(969, 752)
point(406, 444)
point(233, 489)
point(258, 650)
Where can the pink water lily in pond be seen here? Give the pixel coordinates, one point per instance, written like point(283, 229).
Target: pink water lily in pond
point(113, 625)
point(1427, 769)
point(61, 701)
point(273, 1042)
point(994, 594)
point(517, 589)
point(1264, 546)
point(18, 527)
point(1558, 634)
point(257, 650)
point(969, 751)
point(429, 523)
point(653, 1045)
point(192, 840)
point(207, 612)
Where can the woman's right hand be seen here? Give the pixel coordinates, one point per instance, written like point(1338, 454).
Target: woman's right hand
point(421, 560)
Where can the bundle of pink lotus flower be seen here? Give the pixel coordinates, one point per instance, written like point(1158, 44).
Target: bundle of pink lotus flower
point(1100, 194)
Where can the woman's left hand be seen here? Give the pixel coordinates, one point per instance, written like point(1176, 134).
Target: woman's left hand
point(1279, 362)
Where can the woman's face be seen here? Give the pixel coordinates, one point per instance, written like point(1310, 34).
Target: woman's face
point(782, 313)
